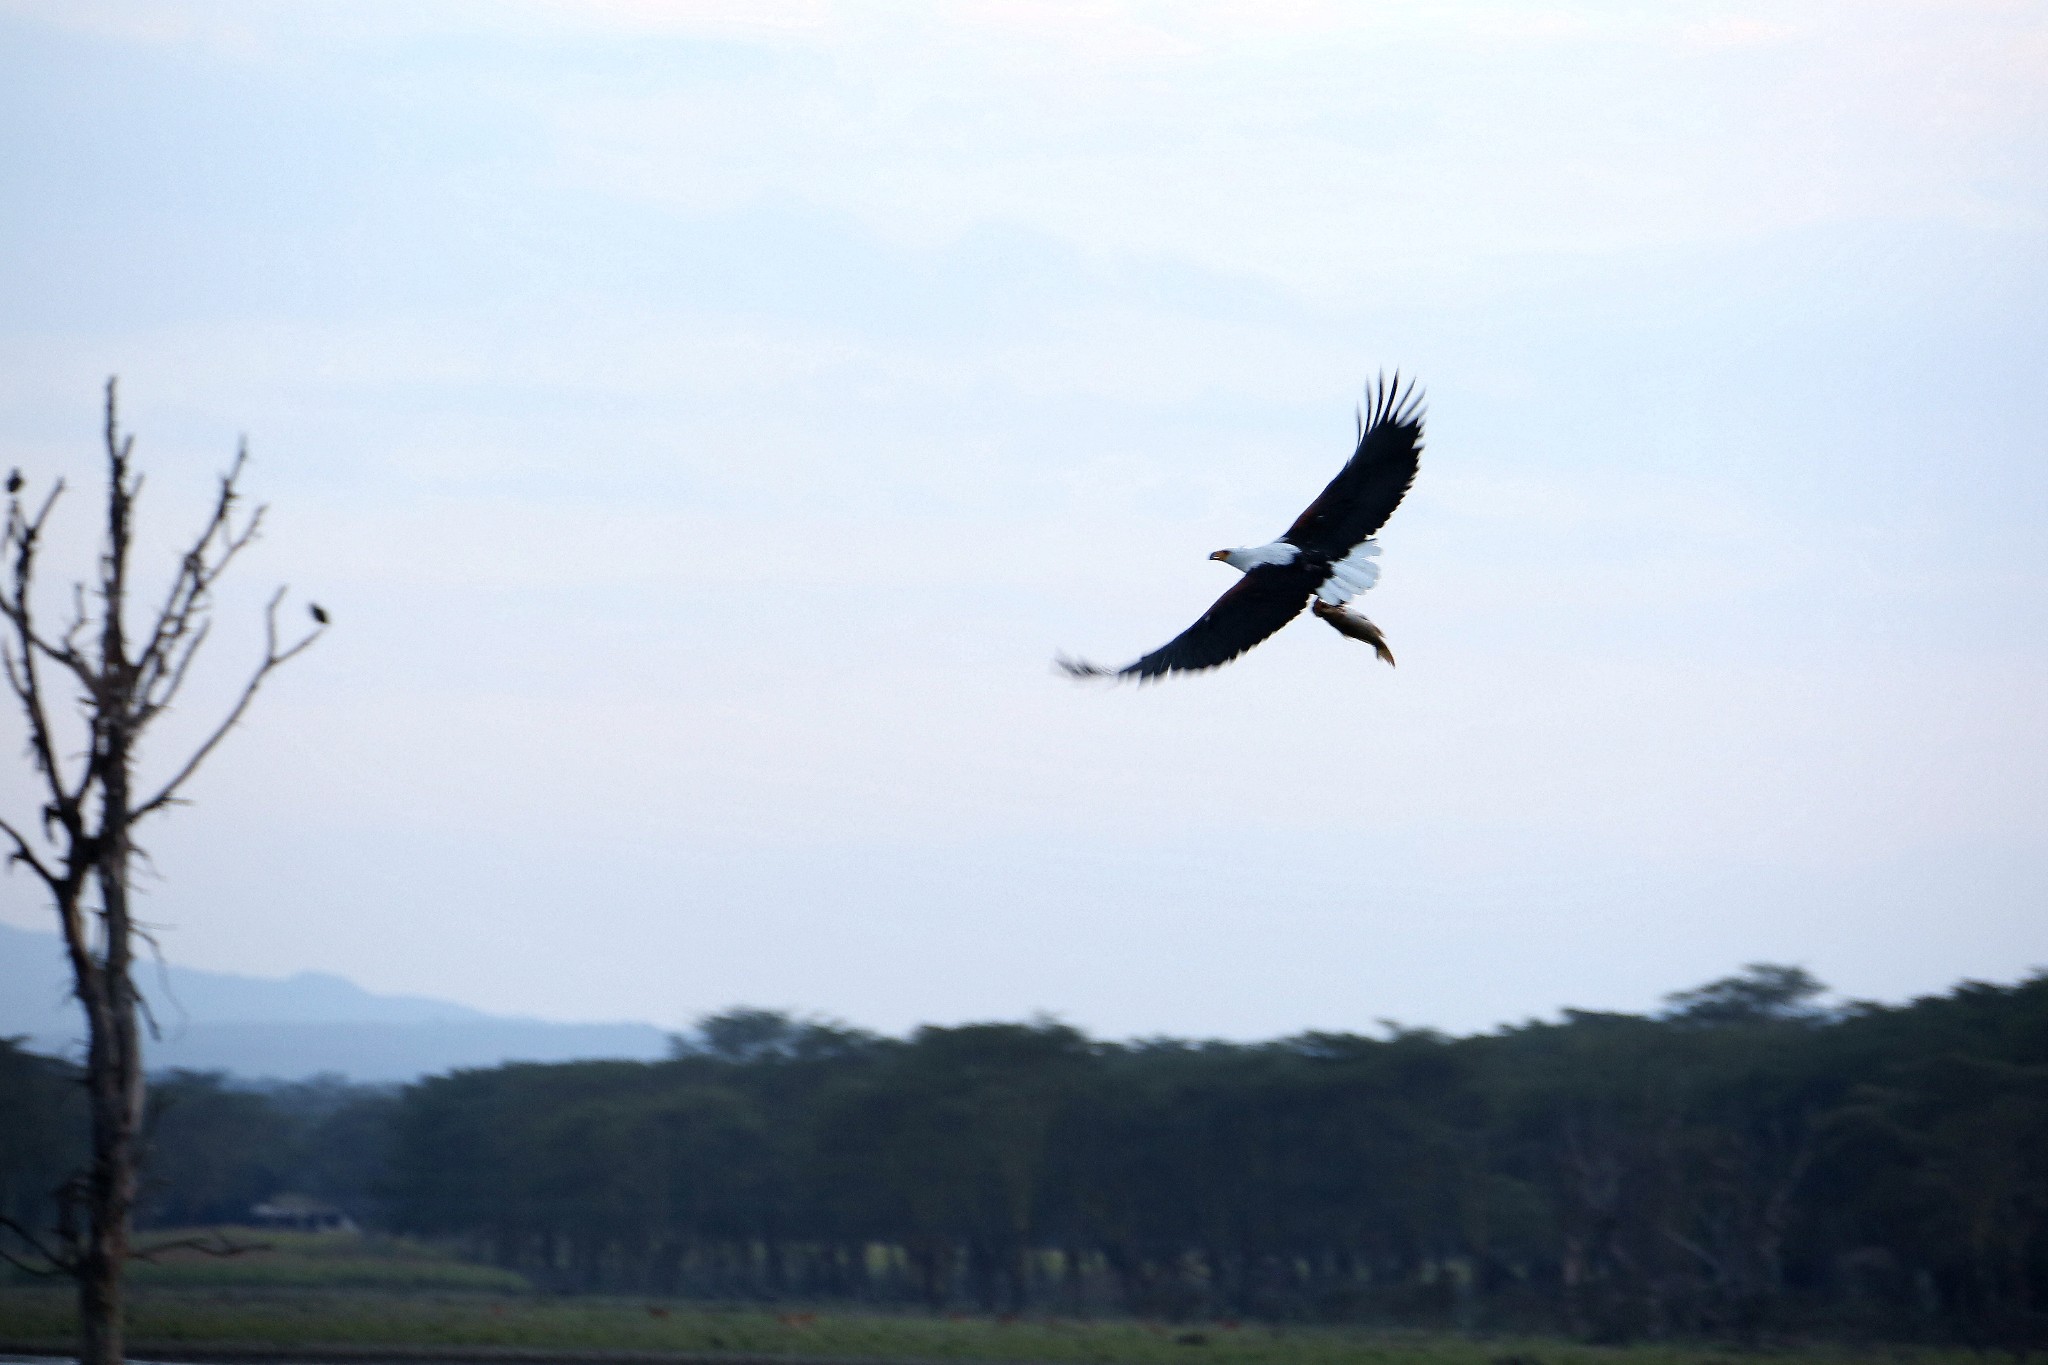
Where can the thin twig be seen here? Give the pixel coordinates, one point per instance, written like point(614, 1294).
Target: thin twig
point(57, 1263)
point(220, 1246)
point(273, 657)
point(187, 596)
point(23, 853)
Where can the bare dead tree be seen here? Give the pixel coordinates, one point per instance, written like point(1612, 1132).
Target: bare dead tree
point(81, 843)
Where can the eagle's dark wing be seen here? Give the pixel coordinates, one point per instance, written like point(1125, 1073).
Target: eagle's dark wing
point(1372, 482)
point(1258, 604)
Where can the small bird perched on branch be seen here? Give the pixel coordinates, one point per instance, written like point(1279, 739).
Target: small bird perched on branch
point(1325, 557)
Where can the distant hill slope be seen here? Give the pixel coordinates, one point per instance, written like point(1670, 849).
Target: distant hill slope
point(299, 1026)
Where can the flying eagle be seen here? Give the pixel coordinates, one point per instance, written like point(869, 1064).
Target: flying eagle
point(1326, 557)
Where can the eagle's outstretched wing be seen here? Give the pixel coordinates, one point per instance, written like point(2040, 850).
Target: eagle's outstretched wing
point(1328, 552)
point(1372, 482)
point(1258, 604)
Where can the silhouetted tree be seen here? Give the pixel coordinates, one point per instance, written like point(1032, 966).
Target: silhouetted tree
point(117, 673)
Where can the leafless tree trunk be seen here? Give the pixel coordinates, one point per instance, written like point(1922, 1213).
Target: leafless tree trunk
point(81, 843)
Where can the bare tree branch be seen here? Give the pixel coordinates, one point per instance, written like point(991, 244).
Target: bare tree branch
point(273, 658)
point(22, 535)
point(215, 547)
point(166, 691)
point(221, 1245)
point(55, 1263)
point(26, 855)
point(163, 982)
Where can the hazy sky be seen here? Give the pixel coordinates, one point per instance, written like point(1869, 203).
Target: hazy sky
point(705, 422)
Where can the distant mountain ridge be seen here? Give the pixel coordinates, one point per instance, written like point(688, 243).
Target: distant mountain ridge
point(303, 1025)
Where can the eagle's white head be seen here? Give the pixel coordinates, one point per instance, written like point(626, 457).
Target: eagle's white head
point(1244, 559)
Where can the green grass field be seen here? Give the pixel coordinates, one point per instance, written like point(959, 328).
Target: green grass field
point(310, 1292)
point(299, 1260)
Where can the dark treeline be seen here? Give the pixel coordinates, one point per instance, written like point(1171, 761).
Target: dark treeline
point(214, 1147)
point(1743, 1163)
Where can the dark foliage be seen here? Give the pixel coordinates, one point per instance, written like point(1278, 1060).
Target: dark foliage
point(1744, 1165)
point(217, 1147)
point(213, 1147)
point(42, 1133)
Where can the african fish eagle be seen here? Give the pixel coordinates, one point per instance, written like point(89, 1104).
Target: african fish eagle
point(1325, 558)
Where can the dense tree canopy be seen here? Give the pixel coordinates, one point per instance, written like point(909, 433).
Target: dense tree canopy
point(1744, 1162)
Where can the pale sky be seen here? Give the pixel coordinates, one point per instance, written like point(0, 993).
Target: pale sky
point(706, 421)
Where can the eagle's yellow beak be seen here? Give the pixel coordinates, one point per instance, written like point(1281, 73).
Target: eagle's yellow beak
point(1220, 554)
